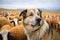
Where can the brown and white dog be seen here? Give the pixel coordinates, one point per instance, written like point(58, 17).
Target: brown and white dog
point(36, 28)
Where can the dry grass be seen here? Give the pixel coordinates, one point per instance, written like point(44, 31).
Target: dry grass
point(56, 35)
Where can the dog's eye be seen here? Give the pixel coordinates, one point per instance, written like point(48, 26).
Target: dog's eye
point(31, 14)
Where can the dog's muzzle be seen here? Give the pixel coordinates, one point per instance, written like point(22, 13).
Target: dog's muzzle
point(38, 21)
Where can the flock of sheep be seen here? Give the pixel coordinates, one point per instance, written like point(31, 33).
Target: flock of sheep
point(53, 20)
point(13, 23)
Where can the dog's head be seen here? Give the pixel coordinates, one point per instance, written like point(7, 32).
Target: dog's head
point(31, 17)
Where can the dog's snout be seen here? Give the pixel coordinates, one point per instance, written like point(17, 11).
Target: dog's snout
point(38, 19)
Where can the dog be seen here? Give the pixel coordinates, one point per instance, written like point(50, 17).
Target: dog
point(36, 28)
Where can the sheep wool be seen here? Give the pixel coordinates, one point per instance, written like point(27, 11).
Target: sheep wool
point(4, 21)
point(6, 27)
point(19, 32)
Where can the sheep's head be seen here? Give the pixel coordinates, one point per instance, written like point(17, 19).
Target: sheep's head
point(15, 21)
point(5, 35)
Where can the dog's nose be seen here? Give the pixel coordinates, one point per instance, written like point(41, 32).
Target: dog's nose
point(38, 20)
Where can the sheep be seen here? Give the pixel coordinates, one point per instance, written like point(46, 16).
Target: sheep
point(4, 14)
point(13, 17)
point(4, 21)
point(18, 32)
point(17, 21)
point(8, 16)
point(48, 19)
point(5, 27)
point(59, 26)
point(54, 22)
point(58, 23)
point(43, 15)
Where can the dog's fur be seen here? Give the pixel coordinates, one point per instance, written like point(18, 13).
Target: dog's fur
point(35, 27)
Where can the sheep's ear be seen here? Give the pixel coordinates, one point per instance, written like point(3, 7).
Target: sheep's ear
point(11, 36)
point(40, 12)
point(23, 13)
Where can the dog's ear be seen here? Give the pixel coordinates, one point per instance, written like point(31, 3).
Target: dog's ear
point(40, 12)
point(23, 13)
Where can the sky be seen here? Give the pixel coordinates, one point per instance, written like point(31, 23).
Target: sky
point(43, 4)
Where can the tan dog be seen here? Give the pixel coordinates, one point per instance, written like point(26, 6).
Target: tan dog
point(35, 27)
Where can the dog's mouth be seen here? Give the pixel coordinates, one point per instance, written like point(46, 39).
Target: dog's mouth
point(36, 24)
